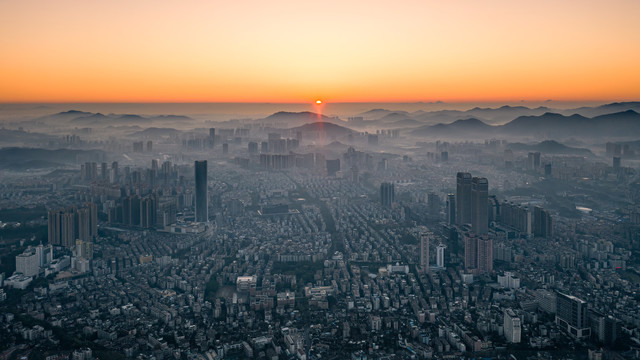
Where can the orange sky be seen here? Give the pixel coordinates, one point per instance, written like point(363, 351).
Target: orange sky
point(297, 51)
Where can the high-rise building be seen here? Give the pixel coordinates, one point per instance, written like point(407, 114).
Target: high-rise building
point(103, 171)
point(67, 225)
point(542, 223)
point(478, 254)
point(387, 194)
point(253, 147)
point(571, 316)
point(167, 213)
point(148, 211)
point(202, 200)
point(87, 222)
point(606, 329)
point(485, 254)
point(463, 198)
point(470, 252)
point(480, 205)
point(444, 156)
point(533, 161)
point(517, 217)
point(84, 249)
point(440, 255)
point(424, 252)
point(211, 141)
point(512, 329)
point(451, 209)
point(616, 163)
point(225, 148)
point(333, 166)
point(28, 263)
point(433, 202)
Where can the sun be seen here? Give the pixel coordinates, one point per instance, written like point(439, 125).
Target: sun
point(318, 102)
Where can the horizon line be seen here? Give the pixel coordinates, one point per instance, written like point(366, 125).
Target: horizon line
point(325, 102)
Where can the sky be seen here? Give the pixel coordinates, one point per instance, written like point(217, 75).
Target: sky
point(300, 51)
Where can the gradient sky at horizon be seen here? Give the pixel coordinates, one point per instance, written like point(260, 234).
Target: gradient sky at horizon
point(338, 51)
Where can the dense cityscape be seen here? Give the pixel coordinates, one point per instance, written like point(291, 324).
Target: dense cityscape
point(253, 240)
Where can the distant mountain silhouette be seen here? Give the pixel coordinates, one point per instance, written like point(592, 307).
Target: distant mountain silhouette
point(603, 109)
point(548, 125)
point(29, 158)
point(327, 128)
point(90, 119)
point(128, 118)
point(550, 147)
point(98, 119)
point(548, 122)
point(623, 123)
point(66, 115)
point(461, 128)
point(286, 115)
point(16, 137)
point(380, 113)
point(285, 119)
point(395, 116)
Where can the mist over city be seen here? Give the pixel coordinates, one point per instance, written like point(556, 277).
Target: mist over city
point(286, 180)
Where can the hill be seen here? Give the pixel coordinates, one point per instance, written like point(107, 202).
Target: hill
point(327, 128)
point(550, 147)
point(547, 125)
point(458, 128)
point(17, 158)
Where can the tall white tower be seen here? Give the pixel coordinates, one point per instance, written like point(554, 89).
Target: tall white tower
point(440, 255)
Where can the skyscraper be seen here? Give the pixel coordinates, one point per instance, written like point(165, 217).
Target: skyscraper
point(433, 201)
point(424, 252)
point(463, 198)
point(616, 163)
point(451, 209)
point(440, 255)
point(67, 225)
point(470, 252)
point(387, 194)
point(202, 205)
point(571, 316)
point(512, 330)
point(478, 254)
point(480, 205)
point(485, 254)
point(542, 223)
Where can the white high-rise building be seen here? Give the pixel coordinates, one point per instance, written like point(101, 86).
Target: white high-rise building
point(440, 255)
point(28, 263)
point(512, 329)
point(509, 280)
point(424, 251)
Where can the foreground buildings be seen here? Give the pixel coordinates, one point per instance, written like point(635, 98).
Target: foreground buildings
point(312, 261)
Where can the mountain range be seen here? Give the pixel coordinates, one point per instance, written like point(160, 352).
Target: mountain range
point(490, 116)
point(15, 158)
point(550, 147)
point(83, 118)
point(548, 125)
